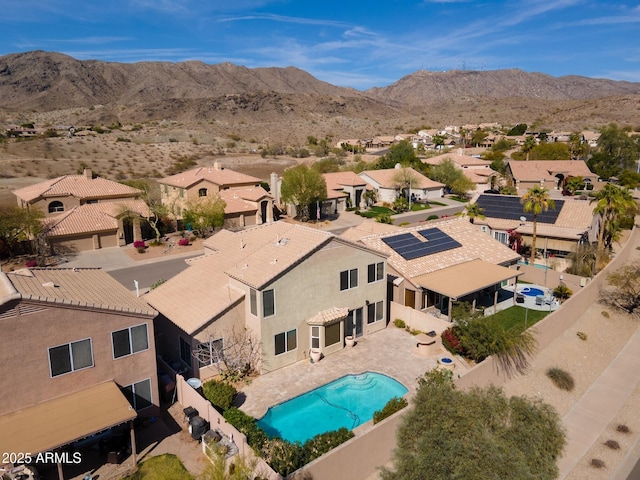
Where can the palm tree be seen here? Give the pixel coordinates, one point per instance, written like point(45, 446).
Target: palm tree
point(474, 211)
point(536, 200)
point(529, 144)
point(612, 202)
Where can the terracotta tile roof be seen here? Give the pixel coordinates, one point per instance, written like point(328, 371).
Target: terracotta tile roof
point(95, 217)
point(84, 287)
point(78, 186)
point(459, 159)
point(202, 292)
point(217, 176)
point(235, 204)
point(535, 170)
point(475, 245)
point(339, 180)
point(329, 316)
point(252, 194)
point(368, 228)
point(385, 178)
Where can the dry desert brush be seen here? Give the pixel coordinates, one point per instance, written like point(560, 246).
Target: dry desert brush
point(561, 378)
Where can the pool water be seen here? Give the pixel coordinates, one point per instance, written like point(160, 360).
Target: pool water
point(346, 402)
point(531, 291)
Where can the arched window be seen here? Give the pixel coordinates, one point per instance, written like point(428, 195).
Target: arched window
point(55, 207)
point(202, 192)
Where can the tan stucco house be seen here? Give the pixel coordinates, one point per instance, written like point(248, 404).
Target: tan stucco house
point(475, 169)
point(344, 189)
point(550, 174)
point(77, 357)
point(83, 212)
point(386, 185)
point(432, 265)
point(247, 202)
point(292, 287)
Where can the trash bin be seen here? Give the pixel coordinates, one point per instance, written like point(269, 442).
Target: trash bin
point(199, 426)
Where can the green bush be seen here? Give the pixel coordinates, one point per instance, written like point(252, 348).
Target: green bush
point(256, 437)
point(433, 217)
point(562, 292)
point(399, 323)
point(284, 457)
point(394, 405)
point(325, 442)
point(561, 379)
point(220, 394)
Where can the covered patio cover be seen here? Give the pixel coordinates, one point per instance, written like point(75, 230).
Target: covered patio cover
point(465, 278)
point(54, 423)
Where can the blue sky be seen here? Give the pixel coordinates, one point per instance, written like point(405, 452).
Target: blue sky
point(359, 44)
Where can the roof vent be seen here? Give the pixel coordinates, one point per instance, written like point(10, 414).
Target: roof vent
point(49, 285)
point(274, 261)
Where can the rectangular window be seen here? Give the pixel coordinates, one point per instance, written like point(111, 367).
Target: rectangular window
point(268, 303)
point(210, 353)
point(130, 340)
point(286, 341)
point(185, 351)
point(70, 357)
point(348, 279)
point(253, 302)
point(315, 337)
point(332, 334)
point(182, 193)
point(375, 312)
point(502, 237)
point(375, 272)
point(139, 394)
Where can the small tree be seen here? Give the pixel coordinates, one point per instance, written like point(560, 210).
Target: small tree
point(204, 214)
point(18, 225)
point(155, 209)
point(302, 186)
point(623, 291)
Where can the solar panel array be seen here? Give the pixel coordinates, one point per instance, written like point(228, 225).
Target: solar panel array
point(408, 246)
point(510, 208)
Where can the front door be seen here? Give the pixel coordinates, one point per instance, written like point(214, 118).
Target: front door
point(353, 325)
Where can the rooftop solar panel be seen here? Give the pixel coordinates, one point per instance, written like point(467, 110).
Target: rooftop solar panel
point(409, 246)
point(510, 208)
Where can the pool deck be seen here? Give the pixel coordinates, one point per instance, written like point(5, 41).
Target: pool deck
point(391, 351)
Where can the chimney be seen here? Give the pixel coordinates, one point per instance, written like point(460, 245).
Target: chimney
point(216, 165)
point(275, 187)
point(88, 174)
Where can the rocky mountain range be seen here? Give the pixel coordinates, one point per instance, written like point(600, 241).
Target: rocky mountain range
point(38, 82)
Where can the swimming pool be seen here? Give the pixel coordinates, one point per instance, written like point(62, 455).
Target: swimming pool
point(346, 402)
point(531, 291)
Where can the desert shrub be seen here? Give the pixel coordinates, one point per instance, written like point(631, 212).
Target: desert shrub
point(582, 335)
point(31, 263)
point(138, 244)
point(284, 457)
point(596, 462)
point(612, 444)
point(399, 323)
point(246, 424)
point(157, 283)
point(183, 242)
point(220, 394)
point(623, 429)
point(561, 378)
point(324, 442)
point(394, 405)
point(123, 139)
point(605, 314)
point(432, 217)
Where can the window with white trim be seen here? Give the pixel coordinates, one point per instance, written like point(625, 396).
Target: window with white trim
point(286, 341)
point(130, 340)
point(139, 394)
point(315, 337)
point(56, 206)
point(502, 237)
point(348, 279)
point(268, 303)
point(70, 357)
point(375, 272)
point(210, 353)
point(375, 312)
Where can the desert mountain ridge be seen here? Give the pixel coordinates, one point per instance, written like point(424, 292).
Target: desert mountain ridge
point(67, 90)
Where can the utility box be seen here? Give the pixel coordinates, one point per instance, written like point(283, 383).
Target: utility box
point(199, 426)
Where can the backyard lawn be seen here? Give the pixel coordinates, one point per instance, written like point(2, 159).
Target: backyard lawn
point(514, 317)
point(161, 467)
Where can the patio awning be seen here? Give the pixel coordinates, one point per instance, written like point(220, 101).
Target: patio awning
point(54, 423)
point(465, 278)
point(329, 316)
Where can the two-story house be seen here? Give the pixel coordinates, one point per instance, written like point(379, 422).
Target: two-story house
point(247, 203)
point(77, 357)
point(85, 213)
point(292, 288)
